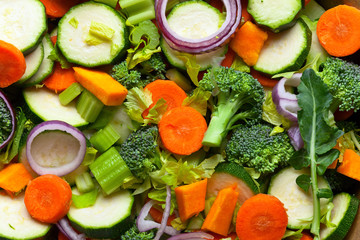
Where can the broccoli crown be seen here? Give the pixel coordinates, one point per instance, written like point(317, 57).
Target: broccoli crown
point(5, 121)
point(140, 151)
point(254, 147)
point(134, 234)
point(143, 74)
point(237, 96)
point(343, 80)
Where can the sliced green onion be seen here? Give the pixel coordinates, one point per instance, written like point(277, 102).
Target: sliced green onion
point(70, 93)
point(105, 138)
point(88, 106)
point(110, 170)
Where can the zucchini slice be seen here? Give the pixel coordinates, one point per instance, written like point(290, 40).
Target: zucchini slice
point(46, 66)
point(205, 60)
point(299, 204)
point(109, 217)
point(23, 23)
point(33, 62)
point(342, 215)
point(276, 15)
point(46, 105)
point(92, 34)
point(285, 51)
point(16, 222)
point(195, 19)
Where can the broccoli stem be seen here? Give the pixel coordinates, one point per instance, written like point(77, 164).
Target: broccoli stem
point(219, 123)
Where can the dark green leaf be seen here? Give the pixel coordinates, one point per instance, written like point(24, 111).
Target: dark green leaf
point(304, 181)
point(324, 193)
point(299, 159)
point(325, 160)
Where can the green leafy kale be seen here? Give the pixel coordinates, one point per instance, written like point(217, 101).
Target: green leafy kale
point(254, 146)
point(6, 123)
point(237, 96)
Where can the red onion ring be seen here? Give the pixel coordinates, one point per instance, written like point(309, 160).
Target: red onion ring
point(64, 226)
point(192, 236)
point(286, 102)
point(209, 43)
point(13, 119)
point(295, 137)
point(45, 128)
point(166, 214)
point(145, 225)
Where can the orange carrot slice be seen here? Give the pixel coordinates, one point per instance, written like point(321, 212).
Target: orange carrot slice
point(48, 198)
point(338, 30)
point(60, 79)
point(12, 64)
point(182, 129)
point(57, 8)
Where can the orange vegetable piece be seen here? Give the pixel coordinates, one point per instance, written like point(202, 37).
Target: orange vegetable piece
point(157, 215)
point(263, 80)
point(191, 199)
point(261, 217)
point(53, 39)
point(248, 42)
point(102, 85)
point(57, 8)
point(219, 217)
point(167, 90)
point(306, 236)
point(182, 129)
point(12, 64)
point(60, 79)
point(14, 178)
point(229, 58)
point(338, 30)
point(48, 198)
point(350, 165)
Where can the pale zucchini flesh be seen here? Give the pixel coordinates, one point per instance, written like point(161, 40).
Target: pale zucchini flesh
point(33, 62)
point(71, 37)
point(299, 204)
point(22, 23)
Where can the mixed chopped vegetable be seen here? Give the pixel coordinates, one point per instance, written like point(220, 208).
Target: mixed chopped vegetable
point(198, 119)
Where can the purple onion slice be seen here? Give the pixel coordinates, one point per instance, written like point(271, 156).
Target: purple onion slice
point(64, 226)
point(55, 147)
point(286, 102)
point(192, 236)
point(209, 43)
point(295, 137)
point(7, 120)
point(166, 214)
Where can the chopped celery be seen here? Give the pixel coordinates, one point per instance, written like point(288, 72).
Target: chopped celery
point(110, 170)
point(85, 200)
point(138, 10)
point(88, 106)
point(174, 75)
point(105, 138)
point(70, 93)
point(111, 3)
point(104, 118)
point(148, 30)
point(84, 182)
point(99, 33)
point(73, 22)
point(90, 156)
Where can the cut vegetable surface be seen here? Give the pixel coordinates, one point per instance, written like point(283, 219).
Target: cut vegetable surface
point(33, 62)
point(23, 23)
point(102, 85)
point(262, 217)
point(60, 79)
point(12, 64)
point(23, 226)
point(338, 30)
point(8, 121)
point(99, 36)
point(182, 129)
point(14, 178)
point(57, 8)
point(350, 165)
point(48, 198)
point(55, 147)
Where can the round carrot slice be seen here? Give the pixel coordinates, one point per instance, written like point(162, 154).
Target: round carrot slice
point(338, 30)
point(181, 130)
point(48, 198)
point(12, 64)
point(261, 217)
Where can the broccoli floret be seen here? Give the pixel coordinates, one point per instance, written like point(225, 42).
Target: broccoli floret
point(343, 80)
point(134, 234)
point(6, 123)
point(253, 146)
point(237, 96)
point(154, 68)
point(143, 74)
point(140, 151)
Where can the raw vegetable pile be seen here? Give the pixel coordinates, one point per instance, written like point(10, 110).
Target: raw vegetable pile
point(199, 119)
